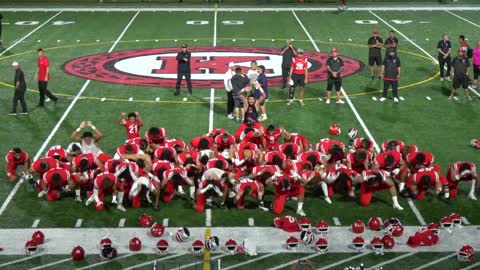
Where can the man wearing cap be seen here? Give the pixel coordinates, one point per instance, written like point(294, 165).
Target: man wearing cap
point(391, 75)
point(227, 81)
point(334, 70)
point(43, 76)
point(20, 88)
point(444, 48)
point(460, 70)
point(288, 53)
point(375, 44)
point(391, 43)
point(183, 69)
point(299, 76)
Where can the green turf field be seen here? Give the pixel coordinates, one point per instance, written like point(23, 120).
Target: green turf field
point(444, 127)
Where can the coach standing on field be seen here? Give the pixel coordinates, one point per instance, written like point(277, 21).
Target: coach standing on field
point(20, 89)
point(391, 43)
point(227, 81)
point(444, 47)
point(391, 75)
point(460, 70)
point(334, 69)
point(288, 53)
point(43, 76)
point(183, 69)
point(375, 44)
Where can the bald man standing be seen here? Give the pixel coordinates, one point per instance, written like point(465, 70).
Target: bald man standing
point(288, 53)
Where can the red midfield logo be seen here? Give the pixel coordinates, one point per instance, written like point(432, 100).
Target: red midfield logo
point(158, 67)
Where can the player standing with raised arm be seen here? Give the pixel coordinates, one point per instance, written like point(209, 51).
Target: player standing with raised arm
point(132, 124)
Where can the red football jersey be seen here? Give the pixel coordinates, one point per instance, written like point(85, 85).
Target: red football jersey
point(56, 152)
point(272, 139)
point(48, 178)
point(133, 128)
point(380, 159)
point(98, 182)
point(398, 148)
point(224, 144)
point(173, 142)
point(287, 223)
point(270, 155)
point(157, 140)
point(159, 152)
point(212, 163)
point(122, 149)
point(10, 158)
point(299, 64)
point(43, 64)
point(50, 162)
point(411, 159)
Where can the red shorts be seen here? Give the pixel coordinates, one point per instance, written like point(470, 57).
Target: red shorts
point(168, 192)
point(241, 201)
point(280, 198)
point(52, 195)
point(200, 203)
point(366, 192)
point(12, 169)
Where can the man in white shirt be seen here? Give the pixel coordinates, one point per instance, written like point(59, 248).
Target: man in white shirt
point(228, 87)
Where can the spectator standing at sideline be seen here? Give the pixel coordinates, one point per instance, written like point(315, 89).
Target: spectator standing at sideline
point(444, 47)
point(375, 44)
point(476, 64)
point(460, 70)
point(227, 81)
point(20, 89)
point(240, 84)
point(391, 43)
point(262, 96)
point(183, 70)
point(288, 53)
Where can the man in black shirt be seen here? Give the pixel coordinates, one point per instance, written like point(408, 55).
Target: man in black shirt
point(240, 85)
point(460, 70)
point(391, 75)
point(444, 47)
point(183, 69)
point(288, 53)
point(375, 44)
point(20, 89)
point(391, 43)
point(334, 70)
point(1, 18)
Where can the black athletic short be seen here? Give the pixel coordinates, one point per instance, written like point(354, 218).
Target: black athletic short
point(337, 82)
point(460, 81)
point(476, 71)
point(375, 60)
point(298, 79)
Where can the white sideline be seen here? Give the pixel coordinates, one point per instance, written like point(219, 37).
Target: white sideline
point(239, 8)
point(106, 261)
point(35, 223)
point(462, 18)
point(392, 260)
point(192, 264)
point(296, 260)
point(29, 34)
point(416, 45)
point(344, 261)
point(473, 266)
point(153, 261)
point(51, 264)
point(250, 261)
point(306, 32)
point(20, 260)
point(60, 121)
point(435, 261)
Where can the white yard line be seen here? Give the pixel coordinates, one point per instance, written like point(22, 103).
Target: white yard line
point(79, 222)
point(250, 261)
point(35, 223)
point(416, 45)
point(336, 221)
point(29, 34)
point(294, 261)
point(20, 260)
point(153, 261)
point(344, 261)
point(107, 261)
point(473, 266)
point(51, 264)
point(201, 264)
point(416, 212)
point(215, 28)
point(165, 222)
point(251, 222)
point(465, 221)
point(462, 18)
point(392, 260)
point(211, 112)
point(239, 8)
point(60, 121)
point(305, 30)
point(435, 261)
point(208, 218)
point(121, 223)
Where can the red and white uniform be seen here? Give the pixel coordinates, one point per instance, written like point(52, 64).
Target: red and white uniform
point(434, 177)
point(195, 142)
point(368, 188)
point(398, 148)
point(212, 174)
point(43, 64)
point(159, 152)
point(299, 64)
point(112, 164)
point(429, 158)
point(216, 131)
point(295, 149)
point(54, 189)
point(287, 223)
point(13, 163)
point(90, 161)
point(380, 159)
point(281, 194)
point(272, 139)
point(454, 176)
point(57, 152)
point(173, 142)
point(307, 156)
point(99, 189)
point(136, 141)
point(358, 165)
point(212, 163)
point(50, 162)
point(241, 186)
point(357, 143)
point(300, 140)
point(324, 146)
point(132, 127)
point(332, 176)
point(122, 150)
point(270, 169)
point(170, 186)
point(201, 199)
point(269, 156)
point(160, 140)
point(223, 145)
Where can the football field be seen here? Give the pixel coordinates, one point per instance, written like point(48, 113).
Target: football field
point(105, 61)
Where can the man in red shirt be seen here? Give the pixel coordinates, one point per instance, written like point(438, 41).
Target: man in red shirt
point(16, 157)
point(43, 76)
point(132, 124)
point(299, 75)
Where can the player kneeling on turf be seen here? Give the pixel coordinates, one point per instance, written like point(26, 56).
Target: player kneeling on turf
point(462, 171)
point(212, 185)
point(287, 186)
point(418, 183)
point(376, 180)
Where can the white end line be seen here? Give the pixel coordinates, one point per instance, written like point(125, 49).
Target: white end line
point(51, 264)
point(392, 260)
point(212, 104)
point(336, 221)
point(462, 18)
point(344, 261)
point(165, 222)
point(107, 261)
point(35, 223)
point(208, 218)
point(416, 212)
point(416, 45)
point(250, 261)
point(20, 260)
point(79, 222)
point(29, 34)
point(121, 223)
point(294, 261)
point(435, 261)
point(306, 32)
point(215, 28)
point(60, 122)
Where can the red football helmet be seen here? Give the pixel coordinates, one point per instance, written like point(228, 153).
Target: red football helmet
point(429, 238)
point(78, 253)
point(212, 243)
point(182, 234)
point(377, 245)
point(145, 221)
point(465, 254)
point(231, 246)
point(475, 143)
point(108, 253)
point(446, 223)
point(322, 228)
point(31, 247)
point(395, 230)
point(456, 219)
point(358, 226)
point(434, 227)
point(135, 244)
point(388, 242)
point(105, 242)
point(374, 224)
point(292, 242)
point(414, 240)
point(157, 230)
point(38, 237)
point(304, 223)
point(307, 237)
point(162, 246)
point(197, 247)
point(391, 221)
point(335, 130)
point(358, 243)
point(321, 245)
